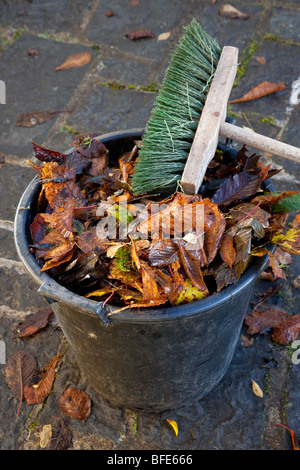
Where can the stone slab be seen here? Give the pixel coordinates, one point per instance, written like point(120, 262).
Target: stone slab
point(33, 84)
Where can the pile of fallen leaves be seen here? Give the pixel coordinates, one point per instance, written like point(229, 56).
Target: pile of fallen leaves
point(82, 193)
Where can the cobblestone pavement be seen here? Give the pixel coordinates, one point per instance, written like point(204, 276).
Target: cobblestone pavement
point(116, 91)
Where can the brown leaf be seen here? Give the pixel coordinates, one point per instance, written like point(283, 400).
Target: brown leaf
point(75, 60)
point(227, 250)
point(37, 392)
point(285, 327)
point(75, 403)
point(19, 369)
point(62, 436)
point(34, 323)
point(46, 155)
point(140, 34)
point(35, 118)
point(287, 330)
point(163, 252)
point(263, 89)
point(261, 59)
point(240, 186)
point(192, 268)
point(228, 11)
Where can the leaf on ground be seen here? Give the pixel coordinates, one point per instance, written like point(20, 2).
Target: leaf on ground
point(45, 435)
point(75, 60)
point(37, 392)
point(229, 11)
point(140, 34)
point(62, 437)
point(263, 89)
point(34, 323)
point(164, 36)
point(35, 118)
point(292, 433)
point(287, 330)
point(257, 390)
point(75, 403)
point(240, 186)
point(19, 369)
point(285, 327)
point(246, 210)
point(258, 321)
point(174, 425)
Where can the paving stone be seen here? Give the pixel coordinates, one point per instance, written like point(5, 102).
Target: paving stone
point(285, 21)
point(152, 14)
point(33, 84)
point(106, 110)
point(44, 16)
point(13, 181)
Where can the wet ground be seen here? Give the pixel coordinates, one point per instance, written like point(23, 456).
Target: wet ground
point(116, 91)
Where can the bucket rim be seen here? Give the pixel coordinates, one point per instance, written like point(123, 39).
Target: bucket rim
point(55, 291)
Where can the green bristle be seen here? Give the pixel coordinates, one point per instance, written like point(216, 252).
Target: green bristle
point(174, 118)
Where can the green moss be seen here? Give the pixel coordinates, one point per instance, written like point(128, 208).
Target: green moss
point(153, 87)
point(246, 56)
point(287, 42)
point(269, 120)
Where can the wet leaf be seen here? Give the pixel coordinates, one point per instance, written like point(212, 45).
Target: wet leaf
point(289, 241)
point(163, 252)
point(287, 330)
point(227, 250)
point(228, 11)
point(292, 433)
point(192, 268)
point(75, 403)
point(62, 436)
point(174, 425)
point(75, 60)
point(35, 118)
point(258, 321)
point(34, 323)
point(240, 186)
point(263, 89)
point(288, 204)
point(37, 392)
point(19, 369)
point(140, 34)
point(46, 155)
point(257, 390)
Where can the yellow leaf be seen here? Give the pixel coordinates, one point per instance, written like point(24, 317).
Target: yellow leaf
point(75, 60)
point(257, 390)
point(45, 436)
point(174, 425)
point(164, 36)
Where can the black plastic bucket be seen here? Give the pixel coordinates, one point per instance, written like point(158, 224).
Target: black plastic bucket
point(152, 359)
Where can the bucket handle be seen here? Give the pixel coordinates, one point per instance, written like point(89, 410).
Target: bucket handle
point(54, 292)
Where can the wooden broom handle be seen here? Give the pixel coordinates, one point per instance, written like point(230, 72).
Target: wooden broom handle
point(260, 142)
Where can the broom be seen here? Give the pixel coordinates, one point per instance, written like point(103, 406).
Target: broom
point(188, 116)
